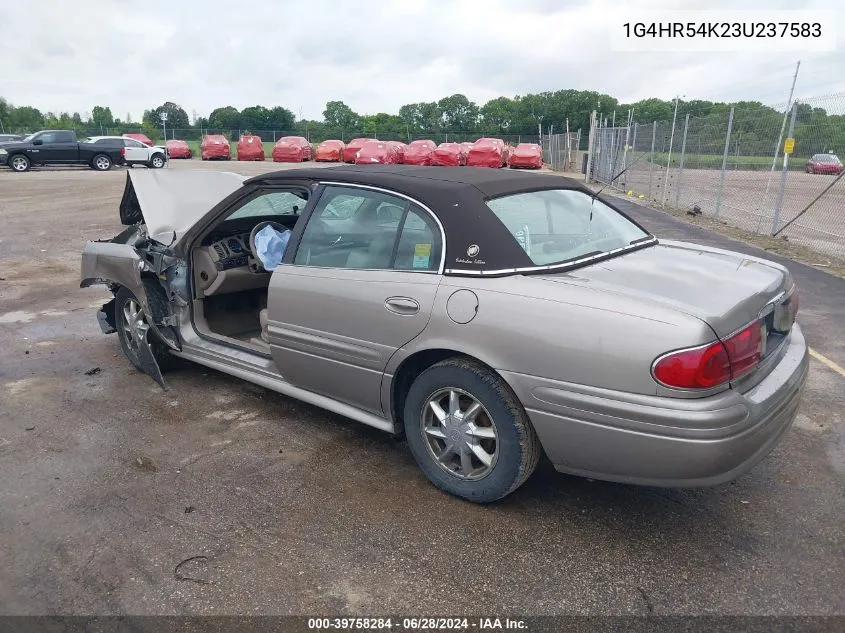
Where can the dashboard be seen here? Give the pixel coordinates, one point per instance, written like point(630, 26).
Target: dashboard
point(231, 252)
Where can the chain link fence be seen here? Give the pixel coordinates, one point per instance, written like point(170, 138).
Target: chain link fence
point(561, 151)
point(731, 166)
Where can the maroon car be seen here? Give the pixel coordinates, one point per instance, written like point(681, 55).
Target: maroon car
point(824, 164)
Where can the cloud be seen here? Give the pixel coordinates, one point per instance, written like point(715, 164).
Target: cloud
point(207, 53)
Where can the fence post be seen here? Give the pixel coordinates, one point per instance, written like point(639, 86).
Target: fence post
point(724, 164)
point(590, 142)
point(651, 158)
point(783, 173)
point(633, 147)
point(681, 164)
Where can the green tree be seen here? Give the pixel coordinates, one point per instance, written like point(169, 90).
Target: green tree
point(280, 119)
point(339, 115)
point(255, 118)
point(458, 113)
point(102, 116)
point(177, 118)
point(225, 118)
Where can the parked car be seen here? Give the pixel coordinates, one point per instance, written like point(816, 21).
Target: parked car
point(380, 153)
point(487, 152)
point(292, 149)
point(330, 151)
point(142, 138)
point(137, 153)
point(526, 156)
point(215, 147)
point(250, 147)
point(824, 164)
point(449, 155)
point(419, 152)
point(400, 148)
point(179, 149)
point(350, 152)
point(10, 138)
point(61, 147)
point(402, 304)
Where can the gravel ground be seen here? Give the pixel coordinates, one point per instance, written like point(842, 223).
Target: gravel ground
point(109, 484)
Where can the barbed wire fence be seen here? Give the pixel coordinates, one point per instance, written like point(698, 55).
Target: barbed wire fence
point(732, 167)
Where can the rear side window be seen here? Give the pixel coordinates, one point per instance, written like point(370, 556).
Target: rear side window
point(559, 225)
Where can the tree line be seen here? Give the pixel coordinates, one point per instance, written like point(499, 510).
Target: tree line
point(455, 117)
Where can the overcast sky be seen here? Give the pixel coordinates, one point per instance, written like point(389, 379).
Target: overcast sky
point(63, 55)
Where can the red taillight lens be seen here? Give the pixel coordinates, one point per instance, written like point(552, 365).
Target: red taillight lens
point(123, 152)
point(744, 349)
point(698, 368)
point(717, 363)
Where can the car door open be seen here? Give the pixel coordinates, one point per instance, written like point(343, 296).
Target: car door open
point(359, 286)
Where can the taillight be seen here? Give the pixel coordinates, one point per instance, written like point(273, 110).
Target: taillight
point(696, 368)
point(745, 349)
point(123, 152)
point(712, 365)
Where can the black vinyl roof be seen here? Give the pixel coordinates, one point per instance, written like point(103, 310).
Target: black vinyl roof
point(477, 242)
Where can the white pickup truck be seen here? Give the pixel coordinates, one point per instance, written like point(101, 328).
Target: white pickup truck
point(138, 153)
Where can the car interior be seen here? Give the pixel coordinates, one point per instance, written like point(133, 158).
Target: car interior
point(348, 229)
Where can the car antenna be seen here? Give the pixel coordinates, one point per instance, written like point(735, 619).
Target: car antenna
point(596, 194)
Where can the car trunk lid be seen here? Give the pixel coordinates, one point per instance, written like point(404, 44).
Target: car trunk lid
point(726, 290)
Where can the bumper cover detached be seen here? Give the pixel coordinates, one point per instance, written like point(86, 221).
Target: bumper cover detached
point(105, 317)
point(659, 441)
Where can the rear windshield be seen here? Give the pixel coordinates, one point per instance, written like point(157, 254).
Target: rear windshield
point(826, 158)
point(559, 225)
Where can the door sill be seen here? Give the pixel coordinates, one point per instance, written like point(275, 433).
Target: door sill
point(253, 368)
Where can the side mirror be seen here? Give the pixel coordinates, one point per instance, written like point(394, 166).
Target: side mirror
point(38, 141)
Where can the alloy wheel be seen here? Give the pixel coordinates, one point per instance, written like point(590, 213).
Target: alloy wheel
point(460, 434)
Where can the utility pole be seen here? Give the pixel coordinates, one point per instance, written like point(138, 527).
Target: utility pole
point(782, 128)
point(669, 158)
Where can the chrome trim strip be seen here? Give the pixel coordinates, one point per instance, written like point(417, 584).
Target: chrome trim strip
point(574, 262)
point(431, 213)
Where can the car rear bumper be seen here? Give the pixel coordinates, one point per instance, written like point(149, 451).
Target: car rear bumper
point(658, 441)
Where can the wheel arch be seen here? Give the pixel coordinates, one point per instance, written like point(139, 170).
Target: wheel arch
point(415, 364)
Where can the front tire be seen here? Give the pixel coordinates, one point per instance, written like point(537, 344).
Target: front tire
point(101, 162)
point(157, 161)
point(19, 163)
point(468, 432)
point(132, 325)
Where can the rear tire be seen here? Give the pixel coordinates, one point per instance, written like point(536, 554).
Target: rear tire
point(478, 445)
point(19, 163)
point(101, 162)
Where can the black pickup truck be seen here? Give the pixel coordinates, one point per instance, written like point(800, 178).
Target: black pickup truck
point(61, 147)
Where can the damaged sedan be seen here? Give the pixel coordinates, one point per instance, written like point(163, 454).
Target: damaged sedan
point(489, 317)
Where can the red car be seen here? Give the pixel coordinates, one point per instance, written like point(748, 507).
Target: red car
point(449, 155)
point(143, 138)
point(330, 151)
point(250, 147)
point(292, 149)
point(419, 152)
point(352, 148)
point(215, 146)
point(400, 147)
point(179, 149)
point(488, 152)
point(527, 156)
point(824, 164)
point(379, 153)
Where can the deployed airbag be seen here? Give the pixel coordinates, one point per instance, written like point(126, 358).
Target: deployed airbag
point(270, 246)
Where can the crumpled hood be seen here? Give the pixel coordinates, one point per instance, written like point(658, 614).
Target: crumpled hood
point(173, 201)
point(725, 289)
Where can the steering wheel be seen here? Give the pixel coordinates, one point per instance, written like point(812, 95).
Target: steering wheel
point(281, 228)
